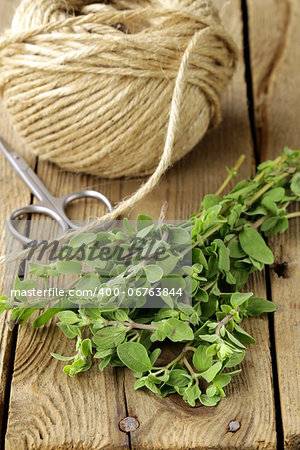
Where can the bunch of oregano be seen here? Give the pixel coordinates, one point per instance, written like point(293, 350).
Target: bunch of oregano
point(226, 236)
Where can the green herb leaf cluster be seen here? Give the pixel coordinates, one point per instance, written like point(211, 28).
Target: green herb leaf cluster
point(228, 239)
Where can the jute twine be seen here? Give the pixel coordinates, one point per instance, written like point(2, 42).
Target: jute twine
point(115, 88)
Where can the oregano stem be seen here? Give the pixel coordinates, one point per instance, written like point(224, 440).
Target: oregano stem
point(264, 189)
point(293, 215)
point(140, 326)
point(222, 323)
point(231, 174)
point(190, 369)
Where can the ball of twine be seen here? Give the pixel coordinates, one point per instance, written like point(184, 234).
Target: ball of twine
point(115, 88)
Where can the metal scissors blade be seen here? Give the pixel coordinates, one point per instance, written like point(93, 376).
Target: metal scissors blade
point(48, 204)
point(19, 164)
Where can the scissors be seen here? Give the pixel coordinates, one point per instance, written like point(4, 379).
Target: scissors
point(48, 205)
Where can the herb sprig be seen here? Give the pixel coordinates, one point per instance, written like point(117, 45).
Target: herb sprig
point(228, 245)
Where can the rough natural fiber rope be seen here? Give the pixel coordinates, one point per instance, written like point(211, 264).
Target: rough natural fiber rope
point(116, 87)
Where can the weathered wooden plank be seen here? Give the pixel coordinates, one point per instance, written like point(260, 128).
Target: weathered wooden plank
point(48, 410)
point(11, 198)
point(169, 423)
point(7, 272)
point(275, 61)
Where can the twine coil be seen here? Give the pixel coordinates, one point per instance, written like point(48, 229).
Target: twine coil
point(115, 88)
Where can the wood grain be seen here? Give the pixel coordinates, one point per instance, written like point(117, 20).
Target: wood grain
point(11, 197)
point(49, 410)
point(275, 61)
point(8, 271)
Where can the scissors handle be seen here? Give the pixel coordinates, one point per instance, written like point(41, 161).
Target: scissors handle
point(86, 193)
point(48, 205)
point(58, 214)
point(32, 209)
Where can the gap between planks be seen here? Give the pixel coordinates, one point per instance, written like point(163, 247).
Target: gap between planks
point(275, 61)
point(257, 151)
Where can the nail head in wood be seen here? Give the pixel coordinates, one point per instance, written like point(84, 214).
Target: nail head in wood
point(129, 424)
point(234, 426)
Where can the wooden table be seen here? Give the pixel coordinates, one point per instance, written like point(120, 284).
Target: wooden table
point(43, 409)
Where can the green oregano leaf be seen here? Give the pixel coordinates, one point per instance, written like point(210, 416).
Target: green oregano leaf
point(86, 347)
point(295, 184)
point(236, 359)
point(45, 317)
point(209, 401)
point(178, 331)
point(109, 337)
point(238, 298)
point(70, 331)
point(61, 357)
point(210, 373)
point(224, 261)
point(68, 267)
point(154, 355)
point(275, 194)
point(178, 377)
point(257, 306)
point(134, 356)
point(179, 236)
point(254, 245)
point(210, 200)
point(82, 239)
point(153, 273)
point(143, 221)
point(68, 317)
point(201, 360)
